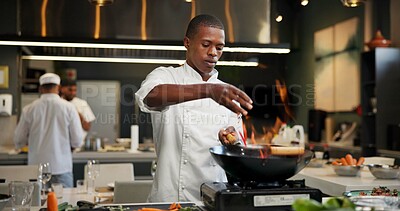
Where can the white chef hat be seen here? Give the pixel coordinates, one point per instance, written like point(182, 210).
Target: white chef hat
point(49, 78)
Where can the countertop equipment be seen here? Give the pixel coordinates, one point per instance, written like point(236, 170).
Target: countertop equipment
point(255, 181)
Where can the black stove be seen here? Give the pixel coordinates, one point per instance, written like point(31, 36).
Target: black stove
point(251, 196)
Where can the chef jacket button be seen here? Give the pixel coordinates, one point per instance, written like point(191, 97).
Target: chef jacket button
point(186, 135)
point(185, 161)
point(183, 187)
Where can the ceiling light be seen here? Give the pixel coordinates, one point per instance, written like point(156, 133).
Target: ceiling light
point(353, 3)
point(275, 49)
point(132, 60)
point(101, 2)
point(279, 18)
point(304, 2)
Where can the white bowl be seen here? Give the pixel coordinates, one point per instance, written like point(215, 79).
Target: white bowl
point(126, 142)
point(122, 140)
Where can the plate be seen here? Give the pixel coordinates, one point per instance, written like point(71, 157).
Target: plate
point(372, 201)
point(162, 206)
point(376, 201)
point(111, 185)
point(355, 193)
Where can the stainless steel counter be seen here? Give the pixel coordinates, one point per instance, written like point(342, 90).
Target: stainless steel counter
point(9, 157)
point(141, 160)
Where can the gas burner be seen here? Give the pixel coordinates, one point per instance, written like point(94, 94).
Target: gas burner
point(253, 196)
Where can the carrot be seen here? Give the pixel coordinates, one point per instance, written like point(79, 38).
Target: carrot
point(174, 206)
point(344, 162)
point(336, 163)
point(349, 159)
point(150, 209)
point(360, 161)
point(52, 204)
point(354, 161)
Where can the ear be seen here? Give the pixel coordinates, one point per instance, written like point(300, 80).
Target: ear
point(186, 42)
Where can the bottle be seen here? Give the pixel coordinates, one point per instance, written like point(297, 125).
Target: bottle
point(326, 154)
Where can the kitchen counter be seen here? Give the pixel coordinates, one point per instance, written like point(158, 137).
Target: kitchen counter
point(141, 160)
point(331, 184)
point(128, 156)
point(8, 157)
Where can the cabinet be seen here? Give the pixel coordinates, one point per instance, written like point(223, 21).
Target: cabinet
point(380, 97)
point(30, 82)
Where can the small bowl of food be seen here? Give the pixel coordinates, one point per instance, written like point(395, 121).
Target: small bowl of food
point(348, 171)
point(384, 171)
point(348, 166)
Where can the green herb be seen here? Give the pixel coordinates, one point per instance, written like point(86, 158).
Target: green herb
point(332, 204)
point(189, 209)
point(117, 208)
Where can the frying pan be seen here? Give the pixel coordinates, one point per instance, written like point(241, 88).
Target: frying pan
point(246, 164)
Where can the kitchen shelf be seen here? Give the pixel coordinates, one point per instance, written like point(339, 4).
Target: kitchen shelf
point(380, 80)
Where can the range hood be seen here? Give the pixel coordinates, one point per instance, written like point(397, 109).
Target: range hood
point(139, 29)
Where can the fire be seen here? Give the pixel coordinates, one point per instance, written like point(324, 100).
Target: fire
point(253, 141)
point(264, 130)
point(260, 134)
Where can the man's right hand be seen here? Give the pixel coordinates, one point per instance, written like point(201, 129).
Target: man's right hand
point(228, 136)
point(226, 94)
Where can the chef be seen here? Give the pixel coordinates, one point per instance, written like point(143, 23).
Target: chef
point(191, 111)
point(50, 126)
point(68, 92)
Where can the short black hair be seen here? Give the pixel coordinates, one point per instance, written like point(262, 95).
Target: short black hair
point(202, 20)
point(48, 86)
point(68, 82)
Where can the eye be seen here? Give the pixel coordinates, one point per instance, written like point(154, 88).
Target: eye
point(220, 48)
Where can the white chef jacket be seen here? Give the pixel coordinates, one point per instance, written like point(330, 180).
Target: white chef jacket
point(83, 107)
point(183, 134)
point(50, 126)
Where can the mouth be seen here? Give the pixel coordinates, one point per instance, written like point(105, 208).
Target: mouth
point(211, 63)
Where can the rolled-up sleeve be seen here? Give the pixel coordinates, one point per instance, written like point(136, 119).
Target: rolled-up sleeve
point(155, 78)
point(75, 129)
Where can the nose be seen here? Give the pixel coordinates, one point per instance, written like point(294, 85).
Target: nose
point(212, 51)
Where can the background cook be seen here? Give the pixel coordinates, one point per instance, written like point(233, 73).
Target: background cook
point(50, 126)
point(68, 92)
